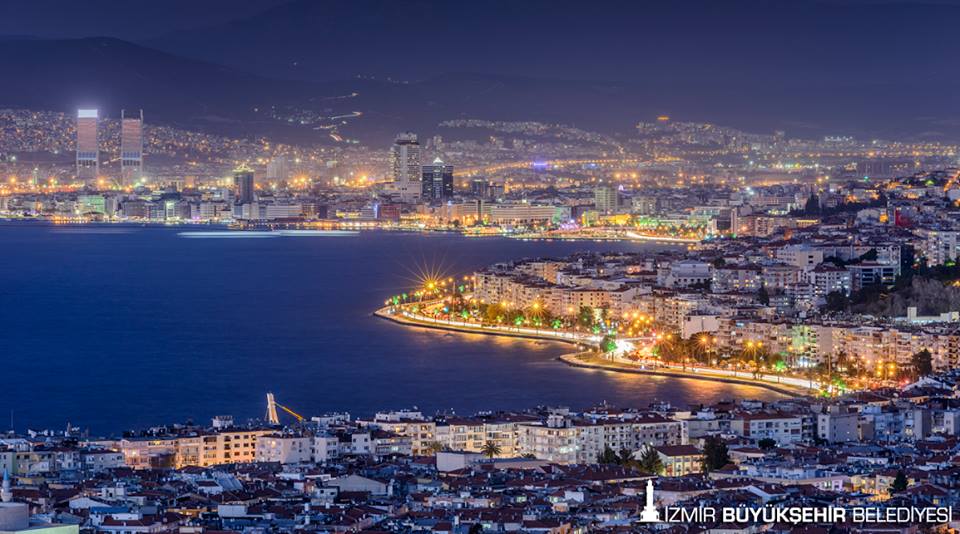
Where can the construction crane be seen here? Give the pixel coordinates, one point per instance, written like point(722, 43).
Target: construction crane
point(272, 406)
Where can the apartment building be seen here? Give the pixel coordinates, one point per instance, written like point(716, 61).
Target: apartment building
point(785, 429)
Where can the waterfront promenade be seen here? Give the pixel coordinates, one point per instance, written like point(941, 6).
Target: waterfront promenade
point(785, 385)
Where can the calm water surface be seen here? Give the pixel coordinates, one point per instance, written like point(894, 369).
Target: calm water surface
point(123, 327)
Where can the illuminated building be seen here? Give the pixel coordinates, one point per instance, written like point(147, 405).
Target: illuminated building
point(785, 429)
point(480, 188)
point(828, 279)
point(131, 148)
point(606, 198)
point(227, 446)
point(939, 246)
point(678, 460)
point(405, 161)
point(528, 213)
point(261, 211)
point(88, 151)
point(278, 170)
point(568, 441)
point(243, 185)
point(437, 181)
point(91, 204)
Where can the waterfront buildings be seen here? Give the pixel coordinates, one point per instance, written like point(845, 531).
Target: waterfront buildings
point(406, 166)
point(88, 147)
point(131, 148)
point(244, 186)
point(437, 181)
point(606, 198)
point(539, 470)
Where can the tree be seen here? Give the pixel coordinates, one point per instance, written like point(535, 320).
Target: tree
point(763, 296)
point(608, 456)
point(476, 528)
point(841, 361)
point(492, 314)
point(767, 443)
point(922, 363)
point(899, 482)
point(585, 316)
point(701, 286)
point(715, 454)
point(608, 343)
point(836, 301)
point(812, 207)
point(650, 462)
point(491, 449)
point(870, 255)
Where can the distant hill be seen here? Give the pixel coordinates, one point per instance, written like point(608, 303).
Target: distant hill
point(200, 94)
point(111, 74)
point(811, 67)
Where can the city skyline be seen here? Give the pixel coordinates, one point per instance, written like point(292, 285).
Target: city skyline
point(420, 266)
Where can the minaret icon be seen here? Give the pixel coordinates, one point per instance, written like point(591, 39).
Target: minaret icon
point(650, 514)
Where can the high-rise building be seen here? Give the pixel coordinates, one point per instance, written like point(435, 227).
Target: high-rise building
point(606, 198)
point(405, 160)
point(88, 151)
point(131, 148)
point(243, 185)
point(278, 169)
point(480, 188)
point(437, 181)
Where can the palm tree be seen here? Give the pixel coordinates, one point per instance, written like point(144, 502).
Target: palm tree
point(491, 449)
point(841, 361)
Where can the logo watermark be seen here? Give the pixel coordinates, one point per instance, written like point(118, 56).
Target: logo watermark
point(794, 515)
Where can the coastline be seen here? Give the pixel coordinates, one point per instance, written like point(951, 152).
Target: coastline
point(574, 360)
point(351, 225)
point(407, 321)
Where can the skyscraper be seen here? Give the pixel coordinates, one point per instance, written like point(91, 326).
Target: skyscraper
point(243, 185)
point(131, 148)
point(480, 188)
point(405, 159)
point(437, 181)
point(606, 198)
point(278, 169)
point(88, 151)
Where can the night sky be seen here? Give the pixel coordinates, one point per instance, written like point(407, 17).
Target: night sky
point(879, 67)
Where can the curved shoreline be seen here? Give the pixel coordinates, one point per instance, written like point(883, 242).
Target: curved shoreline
point(572, 359)
point(405, 321)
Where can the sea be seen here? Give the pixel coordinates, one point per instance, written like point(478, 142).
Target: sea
point(112, 327)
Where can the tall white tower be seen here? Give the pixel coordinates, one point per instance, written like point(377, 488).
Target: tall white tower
point(405, 159)
point(88, 150)
point(131, 148)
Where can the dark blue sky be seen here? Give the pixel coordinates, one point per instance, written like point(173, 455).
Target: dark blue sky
point(125, 19)
point(879, 68)
point(717, 41)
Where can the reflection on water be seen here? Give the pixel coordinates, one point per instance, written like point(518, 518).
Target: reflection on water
point(579, 387)
point(143, 327)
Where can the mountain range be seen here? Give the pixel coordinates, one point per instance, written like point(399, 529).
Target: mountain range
point(375, 67)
